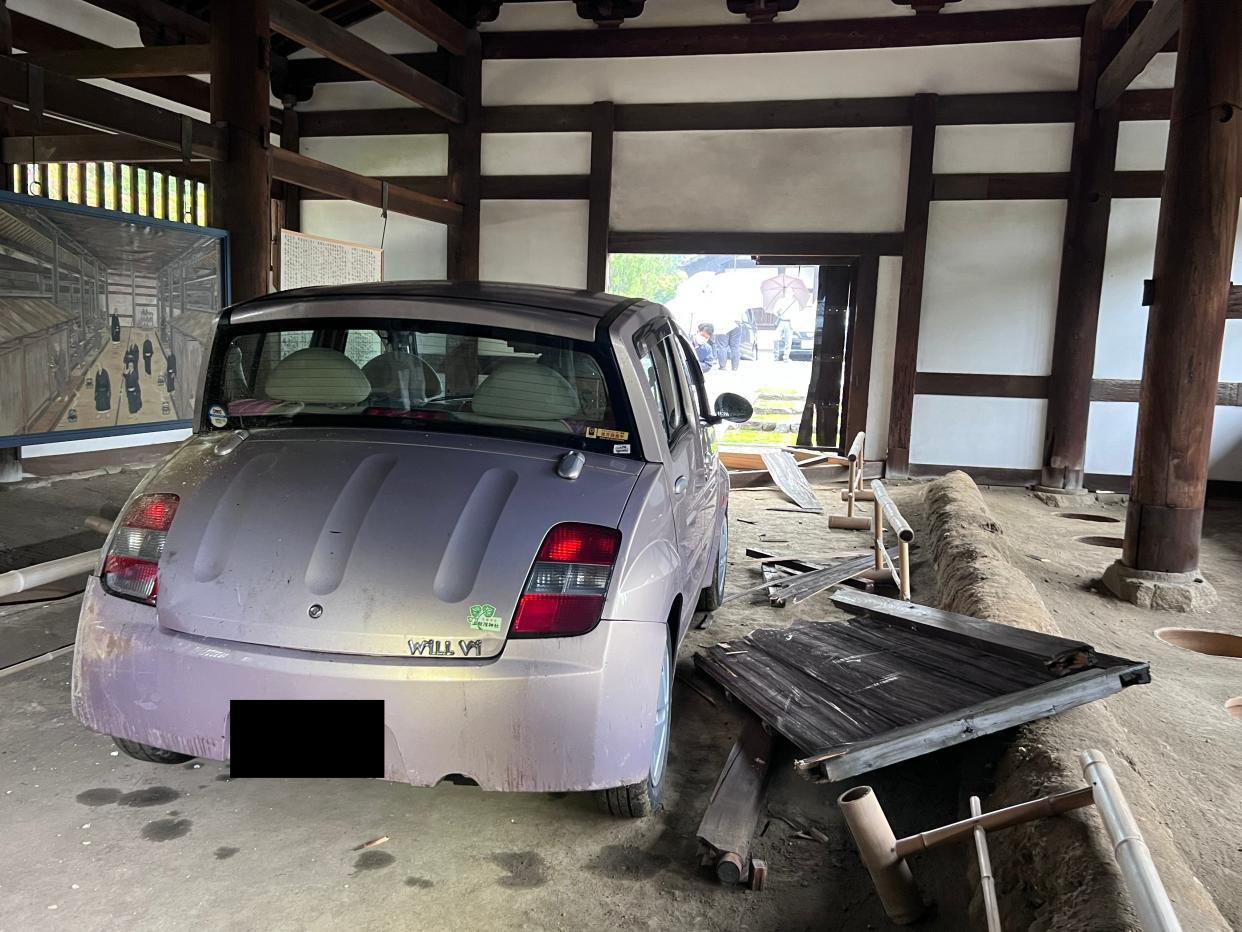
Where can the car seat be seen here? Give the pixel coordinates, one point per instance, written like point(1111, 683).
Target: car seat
point(523, 393)
point(323, 380)
point(400, 380)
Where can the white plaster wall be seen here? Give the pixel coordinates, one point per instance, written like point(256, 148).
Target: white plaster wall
point(957, 430)
point(990, 287)
point(413, 249)
point(883, 341)
point(542, 242)
point(842, 180)
point(536, 153)
point(1003, 147)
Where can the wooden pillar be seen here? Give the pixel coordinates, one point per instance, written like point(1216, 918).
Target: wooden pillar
point(1190, 290)
point(291, 139)
point(241, 64)
point(1084, 243)
point(836, 287)
point(600, 192)
point(464, 164)
point(910, 296)
point(861, 341)
point(6, 48)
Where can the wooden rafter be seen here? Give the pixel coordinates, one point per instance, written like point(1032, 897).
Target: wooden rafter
point(1050, 22)
point(290, 18)
point(1114, 12)
point(1155, 31)
point(148, 13)
point(84, 147)
point(429, 19)
point(155, 62)
point(309, 173)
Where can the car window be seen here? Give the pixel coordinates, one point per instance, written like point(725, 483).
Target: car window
point(692, 373)
point(421, 374)
point(655, 389)
point(667, 366)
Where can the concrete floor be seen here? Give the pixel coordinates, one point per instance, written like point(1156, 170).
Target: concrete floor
point(92, 839)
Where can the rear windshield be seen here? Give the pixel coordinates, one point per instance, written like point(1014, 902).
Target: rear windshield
point(417, 374)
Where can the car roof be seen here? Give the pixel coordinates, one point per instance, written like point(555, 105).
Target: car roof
point(596, 305)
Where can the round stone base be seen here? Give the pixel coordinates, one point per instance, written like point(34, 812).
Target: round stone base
point(1058, 498)
point(1170, 592)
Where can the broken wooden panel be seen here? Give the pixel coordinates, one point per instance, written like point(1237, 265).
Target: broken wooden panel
point(791, 480)
point(856, 695)
point(729, 820)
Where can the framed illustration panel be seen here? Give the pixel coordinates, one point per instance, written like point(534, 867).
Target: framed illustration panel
point(105, 319)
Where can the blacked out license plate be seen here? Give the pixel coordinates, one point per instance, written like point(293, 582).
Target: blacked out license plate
point(306, 738)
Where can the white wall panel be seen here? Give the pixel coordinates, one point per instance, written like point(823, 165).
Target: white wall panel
point(947, 69)
point(381, 155)
point(957, 430)
point(1007, 147)
point(536, 153)
point(412, 248)
point(542, 242)
point(1141, 145)
point(843, 180)
point(990, 287)
point(883, 341)
point(1110, 437)
point(1131, 249)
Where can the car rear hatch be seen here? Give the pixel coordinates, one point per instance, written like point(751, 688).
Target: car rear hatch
point(350, 542)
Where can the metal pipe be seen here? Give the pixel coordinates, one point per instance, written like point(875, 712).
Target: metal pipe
point(41, 574)
point(991, 907)
point(1151, 900)
point(903, 560)
point(996, 819)
point(874, 836)
point(877, 526)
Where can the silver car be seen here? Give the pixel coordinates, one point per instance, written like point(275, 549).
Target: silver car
point(493, 507)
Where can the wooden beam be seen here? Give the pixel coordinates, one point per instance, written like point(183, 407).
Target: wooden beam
point(1228, 394)
point(292, 168)
point(426, 17)
point(861, 348)
point(241, 185)
point(309, 72)
point(1114, 12)
point(1153, 33)
point(980, 385)
point(108, 110)
point(1093, 158)
point(1057, 22)
point(290, 18)
point(735, 243)
point(6, 112)
point(155, 62)
point(600, 209)
point(1233, 309)
point(387, 121)
point(1190, 292)
point(494, 187)
point(910, 295)
point(86, 147)
point(290, 141)
point(465, 166)
point(150, 15)
point(1003, 186)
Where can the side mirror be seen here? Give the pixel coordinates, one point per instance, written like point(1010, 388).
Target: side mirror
point(733, 407)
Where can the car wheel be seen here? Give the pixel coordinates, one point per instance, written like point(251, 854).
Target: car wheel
point(144, 752)
point(711, 597)
point(638, 800)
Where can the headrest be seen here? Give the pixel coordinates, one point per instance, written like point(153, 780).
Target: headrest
point(318, 375)
point(524, 390)
point(398, 376)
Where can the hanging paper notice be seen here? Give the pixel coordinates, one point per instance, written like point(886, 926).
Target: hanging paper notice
point(316, 260)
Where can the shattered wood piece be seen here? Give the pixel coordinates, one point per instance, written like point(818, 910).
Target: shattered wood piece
point(772, 574)
point(373, 843)
point(1057, 654)
point(799, 511)
point(729, 820)
point(790, 479)
point(797, 588)
point(758, 874)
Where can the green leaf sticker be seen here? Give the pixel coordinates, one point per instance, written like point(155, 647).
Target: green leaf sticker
point(484, 618)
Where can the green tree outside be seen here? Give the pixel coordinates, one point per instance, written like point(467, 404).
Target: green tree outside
point(638, 275)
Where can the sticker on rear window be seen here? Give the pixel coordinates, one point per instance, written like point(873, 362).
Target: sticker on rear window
point(484, 618)
point(620, 448)
point(218, 416)
point(607, 433)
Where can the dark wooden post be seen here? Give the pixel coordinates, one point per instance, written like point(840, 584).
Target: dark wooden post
point(910, 297)
point(858, 353)
point(291, 139)
point(6, 48)
point(241, 185)
point(600, 191)
point(1185, 324)
point(1084, 242)
point(464, 165)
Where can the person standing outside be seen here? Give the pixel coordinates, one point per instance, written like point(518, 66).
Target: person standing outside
point(704, 347)
point(727, 338)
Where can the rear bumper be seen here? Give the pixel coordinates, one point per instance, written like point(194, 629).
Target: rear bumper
point(558, 714)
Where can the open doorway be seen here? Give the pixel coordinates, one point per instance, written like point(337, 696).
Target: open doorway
point(773, 329)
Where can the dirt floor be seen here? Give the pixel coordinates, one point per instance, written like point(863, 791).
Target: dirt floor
point(95, 840)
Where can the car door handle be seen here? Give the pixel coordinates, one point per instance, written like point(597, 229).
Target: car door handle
point(681, 485)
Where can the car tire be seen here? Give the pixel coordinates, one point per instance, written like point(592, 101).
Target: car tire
point(639, 800)
point(144, 752)
point(712, 597)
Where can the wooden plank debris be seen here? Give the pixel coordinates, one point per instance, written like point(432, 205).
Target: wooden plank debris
point(856, 695)
point(1056, 654)
point(729, 821)
point(790, 479)
point(799, 588)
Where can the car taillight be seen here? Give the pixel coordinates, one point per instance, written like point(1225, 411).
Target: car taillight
point(131, 568)
point(565, 591)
